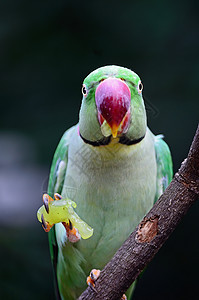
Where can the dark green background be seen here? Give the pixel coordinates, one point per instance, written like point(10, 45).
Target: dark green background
point(46, 50)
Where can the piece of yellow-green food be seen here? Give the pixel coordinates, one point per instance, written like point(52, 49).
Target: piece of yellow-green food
point(62, 211)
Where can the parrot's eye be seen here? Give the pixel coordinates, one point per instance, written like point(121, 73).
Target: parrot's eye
point(84, 90)
point(140, 87)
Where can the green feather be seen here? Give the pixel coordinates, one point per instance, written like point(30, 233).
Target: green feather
point(164, 166)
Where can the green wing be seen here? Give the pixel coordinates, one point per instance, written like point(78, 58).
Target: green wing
point(55, 185)
point(164, 166)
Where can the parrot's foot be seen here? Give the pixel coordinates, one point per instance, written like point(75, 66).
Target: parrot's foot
point(73, 234)
point(46, 199)
point(61, 210)
point(94, 275)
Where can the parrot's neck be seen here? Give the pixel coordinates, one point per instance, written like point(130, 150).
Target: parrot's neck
point(114, 150)
point(110, 140)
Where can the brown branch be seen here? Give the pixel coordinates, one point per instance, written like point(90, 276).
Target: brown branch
point(141, 246)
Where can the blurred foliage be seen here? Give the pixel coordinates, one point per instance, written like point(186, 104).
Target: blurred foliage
point(47, 48)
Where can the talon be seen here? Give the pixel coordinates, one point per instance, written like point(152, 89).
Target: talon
point(94, 275)
point(57, 196)
point(43, 222)
point(70, 225)
point(73, 234)
point(46, 200)
point(46, 226)
point(92, 286)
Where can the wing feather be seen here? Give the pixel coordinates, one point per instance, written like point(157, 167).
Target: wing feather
point(164, 166)
point(55, 185)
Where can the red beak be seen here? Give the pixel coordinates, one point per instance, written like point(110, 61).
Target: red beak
point(113, 99)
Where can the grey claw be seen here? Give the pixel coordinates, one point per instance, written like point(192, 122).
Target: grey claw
point(43, 222)
point(92, 287)
point(45, 201)
point(57, 196)
point(70, 225)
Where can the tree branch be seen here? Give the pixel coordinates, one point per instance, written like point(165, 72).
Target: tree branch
point(152, 232)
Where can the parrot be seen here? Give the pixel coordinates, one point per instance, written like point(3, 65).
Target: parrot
point(113, 167)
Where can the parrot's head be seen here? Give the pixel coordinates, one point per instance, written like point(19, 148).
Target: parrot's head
point(112, 107)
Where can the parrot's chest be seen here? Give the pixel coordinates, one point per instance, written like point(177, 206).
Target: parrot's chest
point(113, 187)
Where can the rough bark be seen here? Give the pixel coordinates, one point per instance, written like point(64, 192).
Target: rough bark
point(141, 246)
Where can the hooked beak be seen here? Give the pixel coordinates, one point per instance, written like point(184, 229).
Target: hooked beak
point(113, 98)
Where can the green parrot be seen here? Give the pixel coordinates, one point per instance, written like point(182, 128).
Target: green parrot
point(113, 167)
